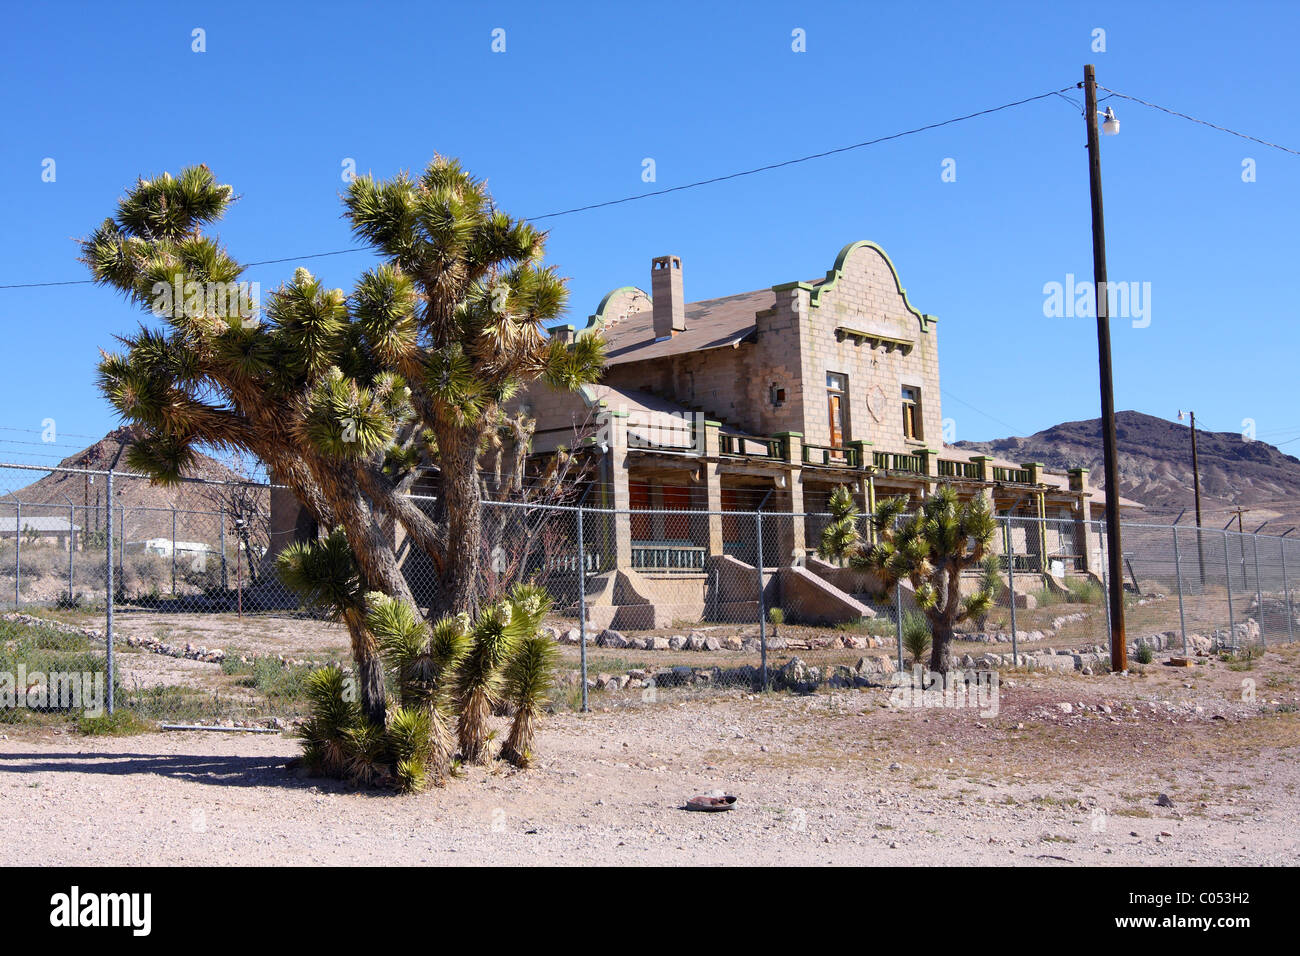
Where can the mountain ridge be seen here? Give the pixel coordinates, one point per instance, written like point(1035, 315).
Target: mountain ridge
point(1155, 467)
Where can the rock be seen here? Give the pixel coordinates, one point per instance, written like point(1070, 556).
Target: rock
point(797, 675)
point(695, 642)
point(733, 643)
point(1065, 707)
point(1164, 801)
point(657, 643)
point(572, 636)
point(612, 638)
point(676, 642)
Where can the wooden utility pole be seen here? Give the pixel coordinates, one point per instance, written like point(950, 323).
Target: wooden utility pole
point(1196, 491)
point(1114, 551)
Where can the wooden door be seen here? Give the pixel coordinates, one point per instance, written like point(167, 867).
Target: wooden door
point(677, 527)
point(639, 500)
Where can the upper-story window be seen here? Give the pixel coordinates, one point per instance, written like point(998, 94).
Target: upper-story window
point(912, 413)
point(837, 389)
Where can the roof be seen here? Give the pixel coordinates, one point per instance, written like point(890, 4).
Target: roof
point(38, 523)
point(710, 324)
point(651, 420)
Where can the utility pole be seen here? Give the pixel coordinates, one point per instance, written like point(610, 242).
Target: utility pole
point(1115, 553)
point(1196, 491)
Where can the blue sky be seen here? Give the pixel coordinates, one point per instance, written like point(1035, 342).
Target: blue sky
point(585, 92)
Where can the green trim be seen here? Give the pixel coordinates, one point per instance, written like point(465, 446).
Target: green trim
point(787, 434)
point(712, 424)
point(596, 321)
point(833, 278)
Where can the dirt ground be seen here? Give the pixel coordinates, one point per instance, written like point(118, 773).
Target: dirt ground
point(829, 778)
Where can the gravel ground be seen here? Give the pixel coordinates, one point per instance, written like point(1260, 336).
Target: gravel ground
point(831, 778)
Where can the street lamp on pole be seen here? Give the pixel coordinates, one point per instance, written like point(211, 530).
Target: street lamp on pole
point(1115, 557)
point(1196, 490)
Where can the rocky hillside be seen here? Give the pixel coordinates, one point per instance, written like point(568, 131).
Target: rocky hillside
point(147, 507)
point(1155, 467)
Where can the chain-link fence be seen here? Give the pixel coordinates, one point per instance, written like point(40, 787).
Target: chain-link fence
point(647, 602)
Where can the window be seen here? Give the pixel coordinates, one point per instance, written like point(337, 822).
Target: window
point(912, 413)
point(837, 387)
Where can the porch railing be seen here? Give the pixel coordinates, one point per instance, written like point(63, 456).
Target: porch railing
point(667, 556)
point(1013, 475)
point(744, 447)
point(891, 461)
point(959, 469)
point(831, 455)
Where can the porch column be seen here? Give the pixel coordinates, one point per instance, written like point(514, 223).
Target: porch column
point(793, 537)
point(619, 463)
point(1082, 526)
point(711, 467)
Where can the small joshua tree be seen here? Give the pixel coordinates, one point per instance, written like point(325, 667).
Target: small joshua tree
point(930, 547)
point(529, 677)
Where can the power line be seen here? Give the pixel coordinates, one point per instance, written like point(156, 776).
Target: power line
point(647, 195)
point(1193, 119)
point(760, 169)
point(801, 159)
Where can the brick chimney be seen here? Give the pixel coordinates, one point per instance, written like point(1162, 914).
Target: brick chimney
point(666, 291)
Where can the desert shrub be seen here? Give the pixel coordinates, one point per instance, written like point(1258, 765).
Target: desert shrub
point(459, 670)
point(1085, 591)
point(1144, 655)
point(916, 636)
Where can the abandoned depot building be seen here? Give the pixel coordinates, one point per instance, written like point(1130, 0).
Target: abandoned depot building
point(776, 396)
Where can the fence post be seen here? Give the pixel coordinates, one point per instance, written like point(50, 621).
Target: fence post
point(18, 551)
point(225, 580)
point(1178, 578)
point(108, 596)
point(762, 612)
point(582, 613)
point(1259, 592)
point(72, 547)
point(1286, 593)
point(898, 622)
point(1011, 586)
point(1227, 580)
point(121, 542)
point(173, 550)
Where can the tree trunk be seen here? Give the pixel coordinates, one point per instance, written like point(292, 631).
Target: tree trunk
point(947, 582)
point(458, 460)
point(941, 635)
point(377, 562)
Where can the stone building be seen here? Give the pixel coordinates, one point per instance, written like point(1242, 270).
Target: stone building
point(777, 396)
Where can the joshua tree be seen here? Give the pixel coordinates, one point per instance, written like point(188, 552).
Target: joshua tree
point(458, 311)
point(423, 662)
point(340, 396)
point(528, 679)
point(494, 638)
point(929, 546)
